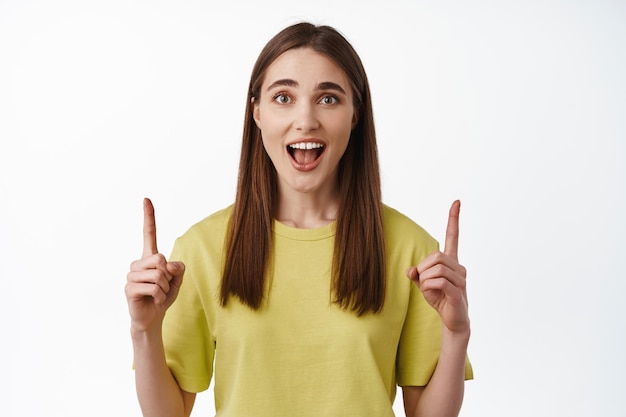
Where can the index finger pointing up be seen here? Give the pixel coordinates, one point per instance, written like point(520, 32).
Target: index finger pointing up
point(149, 229)
point(452, 232)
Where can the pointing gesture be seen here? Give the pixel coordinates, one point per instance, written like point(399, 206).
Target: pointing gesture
point(442, 279)
point(153, 282)
point(149, 229)
point(451, 247)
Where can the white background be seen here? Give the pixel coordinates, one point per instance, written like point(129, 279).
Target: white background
point(516, 108)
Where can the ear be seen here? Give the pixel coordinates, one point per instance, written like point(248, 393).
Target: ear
point(256, 113)
point(355, 119)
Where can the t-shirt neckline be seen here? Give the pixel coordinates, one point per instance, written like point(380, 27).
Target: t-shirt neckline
point(296, 233)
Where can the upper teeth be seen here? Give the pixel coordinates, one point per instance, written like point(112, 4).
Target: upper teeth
point(306, 145)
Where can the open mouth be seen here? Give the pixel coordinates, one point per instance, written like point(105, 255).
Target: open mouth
point(305, 153)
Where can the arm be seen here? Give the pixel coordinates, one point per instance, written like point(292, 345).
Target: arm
point(157, 390)
point(152, 287)
point(442, 281)
point(443, 396)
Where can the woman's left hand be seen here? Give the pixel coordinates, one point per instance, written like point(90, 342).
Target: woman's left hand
point(441, 279)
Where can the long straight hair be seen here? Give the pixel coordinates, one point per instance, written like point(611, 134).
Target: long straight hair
point(358, 266)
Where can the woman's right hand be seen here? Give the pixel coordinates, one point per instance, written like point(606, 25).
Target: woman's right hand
point(153, 282)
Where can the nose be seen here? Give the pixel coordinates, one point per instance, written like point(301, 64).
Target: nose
point(305, 118)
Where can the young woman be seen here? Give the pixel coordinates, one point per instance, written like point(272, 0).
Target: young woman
point(307, 296)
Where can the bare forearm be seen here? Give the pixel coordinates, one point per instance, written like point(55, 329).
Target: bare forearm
point(157, 390)
point(443, 396)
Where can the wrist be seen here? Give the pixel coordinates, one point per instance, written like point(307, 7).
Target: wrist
point(141, 335)
point(458, 339)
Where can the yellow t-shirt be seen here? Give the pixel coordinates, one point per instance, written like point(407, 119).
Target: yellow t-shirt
point(300, 355)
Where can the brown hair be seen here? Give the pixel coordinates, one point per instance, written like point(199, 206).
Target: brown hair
point(358, 269)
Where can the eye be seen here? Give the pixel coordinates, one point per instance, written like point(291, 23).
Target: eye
point(282, 98)
point(329, 100)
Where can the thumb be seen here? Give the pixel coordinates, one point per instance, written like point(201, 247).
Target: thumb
point(176, 268)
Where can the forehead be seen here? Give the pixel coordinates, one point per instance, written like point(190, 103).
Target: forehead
point(307, 67)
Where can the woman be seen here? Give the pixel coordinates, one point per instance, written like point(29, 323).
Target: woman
point(296, 298)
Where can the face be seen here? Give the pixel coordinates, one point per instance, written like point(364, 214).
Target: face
point(305, 113)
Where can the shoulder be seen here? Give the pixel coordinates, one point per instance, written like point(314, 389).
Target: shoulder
point(400, 224)
point(211, 228)
point(217, 220)
point(403, 231)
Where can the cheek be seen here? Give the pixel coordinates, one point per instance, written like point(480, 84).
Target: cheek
point(273, 147)
point(343, 128)
point(272, 124)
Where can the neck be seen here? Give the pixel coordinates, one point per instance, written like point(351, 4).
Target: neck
point(307, 210)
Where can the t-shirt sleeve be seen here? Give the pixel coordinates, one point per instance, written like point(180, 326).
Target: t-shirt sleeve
point(420, 341)
point(189, 346)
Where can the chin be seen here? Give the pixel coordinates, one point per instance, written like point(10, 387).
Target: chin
point(304, 187)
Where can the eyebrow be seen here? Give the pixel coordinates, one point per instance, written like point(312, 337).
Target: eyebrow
point(326, 85)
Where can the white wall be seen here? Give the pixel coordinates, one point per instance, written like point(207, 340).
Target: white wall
point(516, 108)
